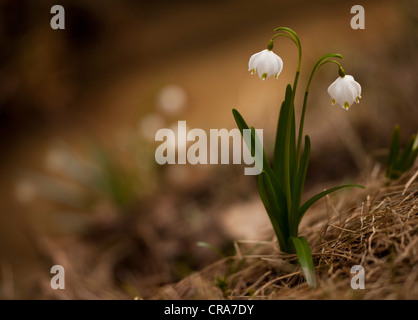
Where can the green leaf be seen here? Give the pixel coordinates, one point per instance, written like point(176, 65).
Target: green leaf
point(266, 165)
point(283, 154)
point(239, 120)
point(280, 142)
point(278, 156)
point(393, 152)
point(292, 147)
point(411, 159)
point(278, 192)
point(305, 259)
point(289, 157)
point(210, 247)
point(256, 149)
point(273, 209)
point(298, 186)
point(315, 198)
point(243, 125)
point(271, 192)
point(407, 158)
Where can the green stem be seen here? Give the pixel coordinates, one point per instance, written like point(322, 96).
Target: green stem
point(292, 35)
point(289, 33)
point(323, 60)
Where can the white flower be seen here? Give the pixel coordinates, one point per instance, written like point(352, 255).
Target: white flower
point(345, 91)
point(172, 99)
point(266, 63)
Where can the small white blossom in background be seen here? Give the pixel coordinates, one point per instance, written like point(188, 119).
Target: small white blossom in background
point(172, 99)
point(345, 91)
point(25, 191)
point(179, 146)
point(56, 161)
point(266, 64)
point(64, 162)
point(149, 125)
point(178, 175)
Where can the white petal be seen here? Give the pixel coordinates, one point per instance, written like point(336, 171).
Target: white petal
point(331, 88)
point(268, 64)
point(253, 60)
point(280, 63)
point(345, 91)
point(358, 88)
point(355, 84)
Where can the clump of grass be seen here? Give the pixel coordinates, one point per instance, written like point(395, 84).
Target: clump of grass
point(399, 162)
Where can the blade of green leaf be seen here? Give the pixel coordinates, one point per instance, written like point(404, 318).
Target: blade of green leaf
point(406, 155)
point(280, 142)
point(256, 148)
point(411, 159)
point(282, 155)
point(305, 259)
point(243, 125)
point(266, 165)
point(269, 200)
point(279, 193)
point(239, 120)
point(276, 195)
point(299, 186)
point(394, 151)
point(210, 247)
point(276, 187)
point(315, 198)
point(292, 147)
point(278, 156)
point(289, 157)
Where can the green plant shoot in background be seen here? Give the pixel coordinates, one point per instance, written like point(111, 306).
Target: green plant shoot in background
point(398, 162)
point(281, 185)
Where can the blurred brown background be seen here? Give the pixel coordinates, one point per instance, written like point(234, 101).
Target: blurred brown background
point(78, 107)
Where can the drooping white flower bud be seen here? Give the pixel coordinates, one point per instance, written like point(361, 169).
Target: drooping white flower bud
point(266, 63)
point(344, 91)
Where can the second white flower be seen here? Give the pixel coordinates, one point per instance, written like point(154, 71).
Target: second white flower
point(266, 64)
point(344, 91)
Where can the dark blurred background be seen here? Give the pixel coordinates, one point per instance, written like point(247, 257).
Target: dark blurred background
point(79, 108)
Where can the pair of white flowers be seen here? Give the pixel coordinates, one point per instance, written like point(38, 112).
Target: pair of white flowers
point(344, 91)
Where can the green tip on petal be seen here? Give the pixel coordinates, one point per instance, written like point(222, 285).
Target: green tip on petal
point(357, 100)
point(264, 76)
point(346, 105)
point(333, 101)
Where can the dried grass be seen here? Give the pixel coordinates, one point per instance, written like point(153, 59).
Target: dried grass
point(380, 233)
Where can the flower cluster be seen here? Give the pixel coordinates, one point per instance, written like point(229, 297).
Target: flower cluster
point(344, 90)
point(282, 178)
